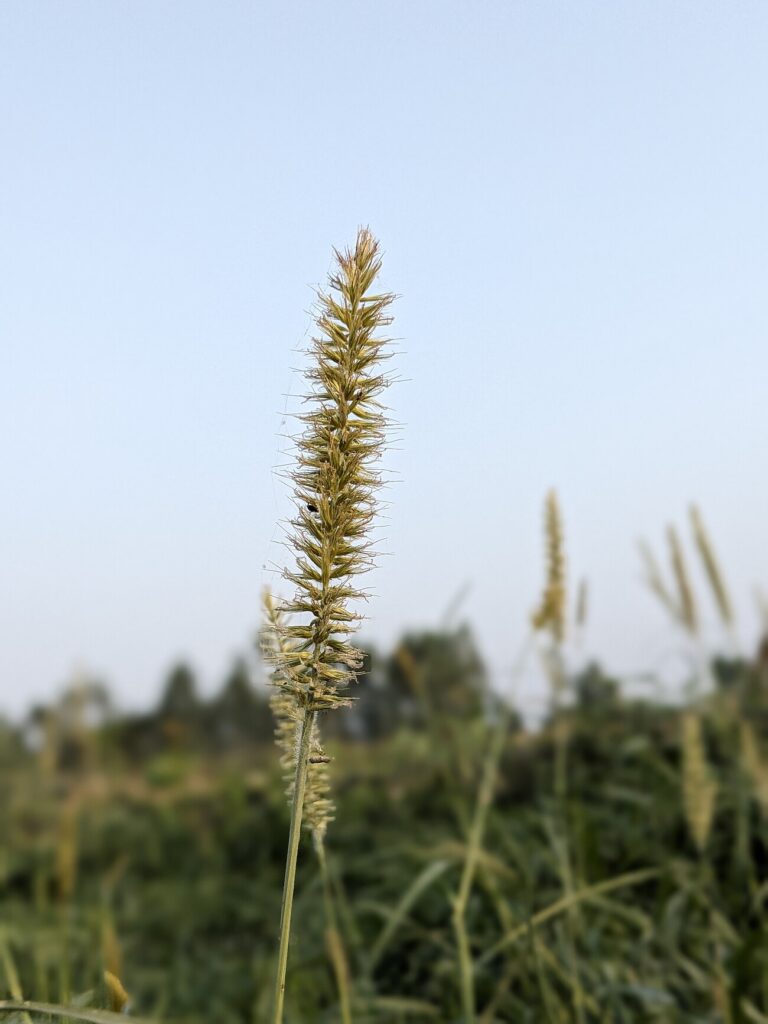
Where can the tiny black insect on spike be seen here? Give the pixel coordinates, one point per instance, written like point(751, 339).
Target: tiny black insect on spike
point(311, 507)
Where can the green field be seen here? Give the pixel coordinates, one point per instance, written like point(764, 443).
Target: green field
point(153, 847)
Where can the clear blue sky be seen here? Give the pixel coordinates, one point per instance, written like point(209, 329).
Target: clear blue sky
point(572, 199)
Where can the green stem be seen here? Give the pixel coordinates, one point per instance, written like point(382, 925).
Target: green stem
point(484, 800)
point(572, 919)
point(333, 939)
point(297, 808)
point(561, 759)
point(485, 795)
point(11, 974)
point(560, 725)
point(70, 1013)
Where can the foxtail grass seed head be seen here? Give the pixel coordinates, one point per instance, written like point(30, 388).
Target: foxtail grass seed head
point(686, 603)
point(699, 786)
point(318, 806)
point(111, 953)
point(287, 712)
point(551, 614)
point(711, 567)
point(336, 480)
point(655, 581)
point(118, 997)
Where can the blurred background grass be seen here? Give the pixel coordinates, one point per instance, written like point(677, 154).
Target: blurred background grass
point(151, 845)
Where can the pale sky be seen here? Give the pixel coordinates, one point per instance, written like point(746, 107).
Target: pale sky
point(573, 206)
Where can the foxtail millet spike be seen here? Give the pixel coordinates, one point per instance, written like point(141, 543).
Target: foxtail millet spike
point(686, 602)
point(711, 567)
point(336, 476)
point(286, 709)
point(551, 613)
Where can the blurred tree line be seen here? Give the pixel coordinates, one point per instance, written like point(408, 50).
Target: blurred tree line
point(428, 674)
point(431, 677)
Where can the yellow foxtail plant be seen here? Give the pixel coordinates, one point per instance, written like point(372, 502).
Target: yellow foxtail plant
point(699, 783)
point(550, 618)
point(678, 599)
point(656, 582)
point(712, 570)
point(336, 480)
point(686, 602)
point(550, 614)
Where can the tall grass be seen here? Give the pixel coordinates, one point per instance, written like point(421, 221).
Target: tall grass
point(335, 480)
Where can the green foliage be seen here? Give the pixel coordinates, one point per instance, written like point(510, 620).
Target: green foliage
point(603, 910)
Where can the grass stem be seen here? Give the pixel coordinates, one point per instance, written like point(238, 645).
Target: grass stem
point(333, 940)
point(304, 739)
point(485, 795)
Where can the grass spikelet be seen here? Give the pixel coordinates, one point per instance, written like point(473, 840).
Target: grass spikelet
point(686, 603)
point(551, 614)
point(111, 953)
point(711, 567)
point(118, 997)
point(699, 786)
point(551, 617)
point(318, 806)
point(655, 581)
point(335, 482)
